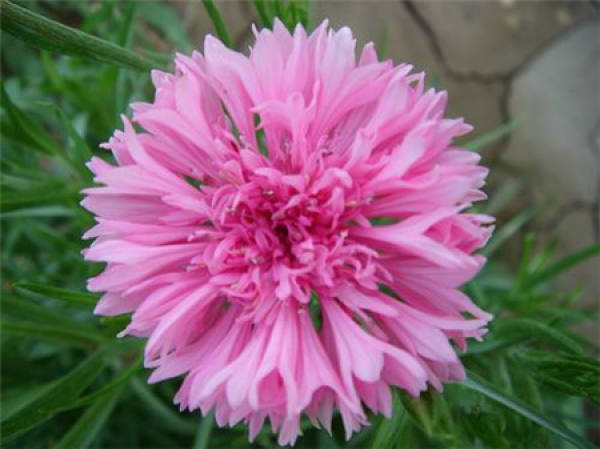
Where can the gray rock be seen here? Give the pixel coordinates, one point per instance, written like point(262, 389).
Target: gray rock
point(557, 96)
point(494, 37)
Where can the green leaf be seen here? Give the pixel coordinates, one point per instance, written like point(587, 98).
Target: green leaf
point(47, 34)
point(51, 332)
point(542, 359)
point(393, 429)
point(78, 151)
point(217, 20)
point(14, 401)
point(543, 257)
point(165, 19)
point(530, 328)
point(84, 96)
point(265, 17)
point(505, 232)
point(40, 212)
point(295, 13)
point(29, 131)
point(51, 399)
point(419, 412)
point(572, 374)
point(115, 384)
point(125, 39)
point(489, 345)
point(504, 196)
point(382, 41)
point(167, 414)
point(476, 383)
point(83, 433)
point(70, 296)
point(564, 264)
point(492, 136)
point(42, 194)
point(32, 311)
point(523, 273)
point(276, 7)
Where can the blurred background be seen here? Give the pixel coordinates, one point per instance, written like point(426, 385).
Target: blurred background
point(526, 74)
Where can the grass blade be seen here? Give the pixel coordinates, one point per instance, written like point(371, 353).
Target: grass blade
point(476, 383)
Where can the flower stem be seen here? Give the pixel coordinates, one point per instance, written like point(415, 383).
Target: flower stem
point(47, 34)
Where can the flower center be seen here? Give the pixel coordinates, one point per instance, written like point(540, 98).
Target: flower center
point(290, 230)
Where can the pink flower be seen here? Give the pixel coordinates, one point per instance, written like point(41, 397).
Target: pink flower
point(260, 277)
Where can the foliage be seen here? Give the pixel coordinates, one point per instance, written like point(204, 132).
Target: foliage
point(67, 382)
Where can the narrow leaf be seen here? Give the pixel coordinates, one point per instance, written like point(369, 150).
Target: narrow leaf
point(564, 264)
point(43, 194)
point(504, 196)
point(418, 410)
point(70, 296)
point(79, 151)
point(61, 392)
point(261, 9)
point(492, 136)
point(510, 327)
point(83, 433)
point(17, 399)
point(163, 17)
point(31, 311)
point(217, 20)
point(476, 383)
point(51, 332)
point(47, 34)
point(506, 231)
point(168, 415)
point(392, 429)
point(115, 384)
point(38, 212)
point(29, 131)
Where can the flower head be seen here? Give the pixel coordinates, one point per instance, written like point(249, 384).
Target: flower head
point(289, 231)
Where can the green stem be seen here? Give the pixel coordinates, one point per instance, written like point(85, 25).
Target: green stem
point(217, 20)
point(204, 431)
point(47, 34)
